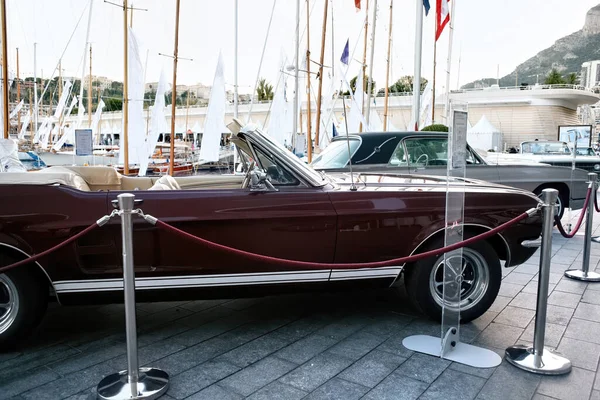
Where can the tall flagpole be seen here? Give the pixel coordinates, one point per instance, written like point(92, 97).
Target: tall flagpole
point(417, 73)
point(18, 93)
point(370, 84)
point(174, 93)
point(449, 66)
point(235, 62)
point(434, 70)
point(4, 70)
point(387, 70)
point(35, 95)
point(308, 107)
point(125, 147)
point(296, 78)
point(321, 61)
point(364, 63)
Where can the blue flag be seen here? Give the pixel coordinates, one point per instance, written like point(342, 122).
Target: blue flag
point(334, 131)
point(346, 53)
point(427, 6)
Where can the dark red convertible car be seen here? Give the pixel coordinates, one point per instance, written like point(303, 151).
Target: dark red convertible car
point(280, 207)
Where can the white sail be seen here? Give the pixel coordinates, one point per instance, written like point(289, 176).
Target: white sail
point(375, 123)
point(44, 133)
point(158, 123)
point(355, 117)
point(137, 127)
point(96, 117)
point(25, 126)
point(279, 110)
point(426, 107)
point(63, 100)
point(14, 112)
point(68, 134)
point(214, 125)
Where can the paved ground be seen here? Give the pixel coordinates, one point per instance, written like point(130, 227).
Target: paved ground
point(318, 346)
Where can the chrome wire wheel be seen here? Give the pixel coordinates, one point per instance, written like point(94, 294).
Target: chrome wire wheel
point(466, 280)
point(9, 302)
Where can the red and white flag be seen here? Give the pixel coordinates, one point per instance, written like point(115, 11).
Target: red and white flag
point(357, 5)
point(442, 16)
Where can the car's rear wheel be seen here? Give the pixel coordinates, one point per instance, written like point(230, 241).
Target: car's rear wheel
point(472, 290)
point(23, 301)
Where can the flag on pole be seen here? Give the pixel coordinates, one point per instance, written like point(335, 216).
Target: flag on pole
point(357, 5)
point(442, 17)
point(346, 53)
point(427, 7)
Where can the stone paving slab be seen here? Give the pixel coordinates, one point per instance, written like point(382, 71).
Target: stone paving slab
point(319, 346)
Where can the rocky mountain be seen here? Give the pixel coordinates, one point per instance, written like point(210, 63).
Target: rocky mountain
point(566, 55)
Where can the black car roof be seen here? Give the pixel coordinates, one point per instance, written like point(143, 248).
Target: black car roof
point(377, 147)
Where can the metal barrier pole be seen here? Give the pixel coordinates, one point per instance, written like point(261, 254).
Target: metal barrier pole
point(135, 382)
point(537, 359)
point(584, 273)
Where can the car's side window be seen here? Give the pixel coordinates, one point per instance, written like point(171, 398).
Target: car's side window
point(423, 152)
point(472, 158)
point(278, 174)
point(398, 156)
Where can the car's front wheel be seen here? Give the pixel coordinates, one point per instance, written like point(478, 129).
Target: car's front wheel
point(472, 281)
point(23, 301)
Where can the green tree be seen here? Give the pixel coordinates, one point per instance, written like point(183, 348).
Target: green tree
point(405, 85)
point(554, 78)
point(264, 90)
point(113, 104)
point(435, 128)
point(365, 82)
point(572, 78)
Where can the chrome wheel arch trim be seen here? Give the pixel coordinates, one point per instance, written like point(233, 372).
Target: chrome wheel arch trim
point(36, 263)
point(487, 228)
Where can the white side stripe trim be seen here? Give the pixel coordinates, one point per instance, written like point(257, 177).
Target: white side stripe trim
point(191, 281)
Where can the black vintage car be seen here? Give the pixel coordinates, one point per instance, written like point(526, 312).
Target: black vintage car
point(426, 153)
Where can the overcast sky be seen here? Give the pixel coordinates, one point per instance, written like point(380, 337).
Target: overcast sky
point(487, 34)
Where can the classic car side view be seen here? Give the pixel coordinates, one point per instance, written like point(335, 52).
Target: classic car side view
point(427, 153)
point(281, 208)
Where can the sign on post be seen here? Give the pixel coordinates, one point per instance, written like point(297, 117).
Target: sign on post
point(84, 145)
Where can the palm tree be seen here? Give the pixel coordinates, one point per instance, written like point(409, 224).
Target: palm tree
point(572, 78)
point(554, 78)
point(264, 90)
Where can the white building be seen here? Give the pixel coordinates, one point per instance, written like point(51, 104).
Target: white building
point(590, 74)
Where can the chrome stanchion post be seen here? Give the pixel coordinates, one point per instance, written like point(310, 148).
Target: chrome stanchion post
point(135, 382)
point(537, 359)
point(584, 273)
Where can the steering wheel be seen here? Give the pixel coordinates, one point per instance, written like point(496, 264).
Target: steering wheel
point(421, 156)
point(246, 181)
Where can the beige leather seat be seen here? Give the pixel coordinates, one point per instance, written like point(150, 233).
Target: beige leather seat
point(165, 182)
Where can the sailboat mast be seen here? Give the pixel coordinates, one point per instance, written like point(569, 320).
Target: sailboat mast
point(187, 113)
point(235, 62)
point(90, 91)
point(370, 84)
point(296, 78)
point(35, 97)
point(174, 93)
point(31, 130)
point(387, 70)
point(18, 93)
point(308, 110)
point(417, 73)
point(125, 147)
point(321, 61)
point(4, 69)
point(364, 62)
point(433, 83)
point(449, 61)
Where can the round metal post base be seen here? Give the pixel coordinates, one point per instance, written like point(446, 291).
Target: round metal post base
point(152, 384)
point(548, 364)
point(579, 275)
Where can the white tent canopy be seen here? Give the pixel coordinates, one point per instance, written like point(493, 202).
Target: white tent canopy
point(485, 136)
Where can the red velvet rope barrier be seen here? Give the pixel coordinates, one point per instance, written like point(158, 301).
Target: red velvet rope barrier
point(317, 265)
point(46, 252)
point(561, 229)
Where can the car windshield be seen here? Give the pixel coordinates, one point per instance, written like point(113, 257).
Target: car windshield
point(336, 154)
point(545, 148)
point(290, 158)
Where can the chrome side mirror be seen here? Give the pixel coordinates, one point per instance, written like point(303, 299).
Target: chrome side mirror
point(260, 182)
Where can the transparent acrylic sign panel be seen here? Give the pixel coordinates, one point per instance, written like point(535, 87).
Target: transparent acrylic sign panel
point(452, 272)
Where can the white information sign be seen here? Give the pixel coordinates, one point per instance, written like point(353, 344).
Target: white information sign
point(84, 145)
point(459, 140)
